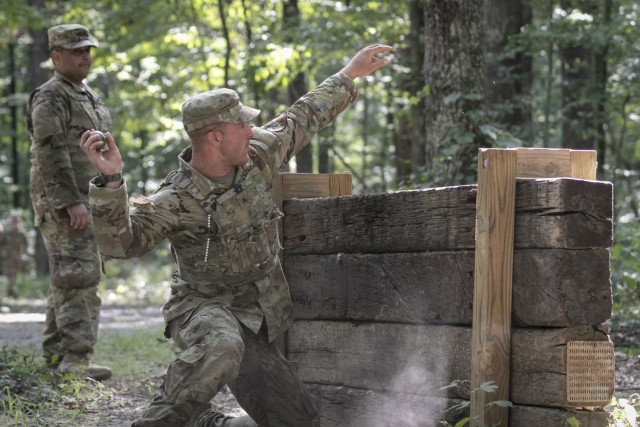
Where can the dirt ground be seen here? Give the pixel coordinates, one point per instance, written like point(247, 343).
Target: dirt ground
point(122, 400)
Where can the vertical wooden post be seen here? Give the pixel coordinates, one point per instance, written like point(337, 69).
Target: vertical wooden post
point(491, 330)
point(583, 164)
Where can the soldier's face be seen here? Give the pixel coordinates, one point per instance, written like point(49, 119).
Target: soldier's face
point(235, 142)
point(74, 64)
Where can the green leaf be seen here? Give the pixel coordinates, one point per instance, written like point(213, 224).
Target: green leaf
point(501, 403)
point(573, 422)
point(463, 422)
point(489, 386)
point(451, 98)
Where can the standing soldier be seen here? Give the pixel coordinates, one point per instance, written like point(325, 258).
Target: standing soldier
point(58, 113)
point(229, 297)
point(15, 248)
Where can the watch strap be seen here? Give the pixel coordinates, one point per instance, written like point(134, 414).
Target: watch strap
point(116, 177)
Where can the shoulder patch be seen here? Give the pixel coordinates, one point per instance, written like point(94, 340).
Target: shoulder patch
point(142, 200)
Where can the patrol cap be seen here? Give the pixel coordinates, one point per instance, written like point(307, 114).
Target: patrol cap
point(70, 36)
point(215, 106)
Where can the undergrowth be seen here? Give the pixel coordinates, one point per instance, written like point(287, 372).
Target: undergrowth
point(31, 394)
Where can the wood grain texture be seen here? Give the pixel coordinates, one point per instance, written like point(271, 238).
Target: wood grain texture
point(551, 288)
point(342, 406)
point(420, 359)
point(550, 213)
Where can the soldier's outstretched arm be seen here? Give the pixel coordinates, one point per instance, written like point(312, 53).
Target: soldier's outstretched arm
point(107, 161)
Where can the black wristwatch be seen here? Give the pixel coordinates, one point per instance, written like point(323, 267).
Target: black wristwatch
point(104, 179)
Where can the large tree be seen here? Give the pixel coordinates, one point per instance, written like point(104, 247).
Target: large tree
point(508, 77)
point(454, 65)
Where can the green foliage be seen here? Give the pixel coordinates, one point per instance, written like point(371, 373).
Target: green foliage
point(24, 384)
point(573, 422)
point(155, 54)
point(623, 412)
point(31, 391)
point(464, 385)
point(625, 269)
point(142, 281)
point(136, 354)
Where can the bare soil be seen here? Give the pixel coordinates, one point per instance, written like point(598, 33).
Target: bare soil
point(123, 400)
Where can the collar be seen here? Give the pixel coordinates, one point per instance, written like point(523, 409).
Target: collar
point(204, 184)
point(78, 87)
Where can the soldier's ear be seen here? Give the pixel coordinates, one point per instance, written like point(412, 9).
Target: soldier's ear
point(215, 136)
point(55, 55)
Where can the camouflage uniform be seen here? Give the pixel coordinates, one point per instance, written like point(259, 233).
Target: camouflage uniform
point(58, 113)
point(229, 297)
point(14, 242)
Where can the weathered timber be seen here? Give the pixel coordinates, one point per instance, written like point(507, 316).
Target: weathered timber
point(551, 288)
point(348, 407)
point(420, 359)
point(550, 213)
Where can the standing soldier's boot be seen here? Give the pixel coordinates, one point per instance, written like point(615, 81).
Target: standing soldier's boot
point(79, 364)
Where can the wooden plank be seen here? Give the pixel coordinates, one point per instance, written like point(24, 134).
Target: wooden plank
point(553, 213)
point(343, 406)
point(584, 164)
point(532, 351)
point(543, 163)
point(491, 337)
point(309, 185)
point(340, 184)
point(551, 288)
point(305, 185)
point(556, 162)
point(420, 359)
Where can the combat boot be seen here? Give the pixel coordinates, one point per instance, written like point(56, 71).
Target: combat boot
point(79, 364)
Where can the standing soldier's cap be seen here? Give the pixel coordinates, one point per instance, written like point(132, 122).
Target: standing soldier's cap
point(70, 36)
point(215, 106)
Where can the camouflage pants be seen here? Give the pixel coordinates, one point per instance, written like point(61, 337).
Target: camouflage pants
point(73, 305)
point(218, 350)
point(10, 270)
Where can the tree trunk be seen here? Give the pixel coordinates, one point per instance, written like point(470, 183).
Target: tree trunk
point(298, 85)
point(454, 66)
point(225, 33)
point(408, 136)
point(508, 79)
point(584, 75)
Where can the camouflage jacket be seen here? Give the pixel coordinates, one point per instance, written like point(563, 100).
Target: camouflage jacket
point(224, 240)
point(57, 114)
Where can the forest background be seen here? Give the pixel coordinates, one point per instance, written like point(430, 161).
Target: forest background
point(464, 74)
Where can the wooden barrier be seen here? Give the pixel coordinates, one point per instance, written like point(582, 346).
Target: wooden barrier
point(497, 171)
point(383, 290)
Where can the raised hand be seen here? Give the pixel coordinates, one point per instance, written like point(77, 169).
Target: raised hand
point(365, 61)
point(106, 159)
